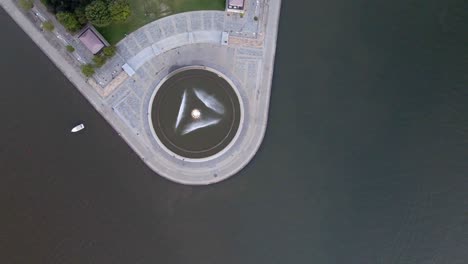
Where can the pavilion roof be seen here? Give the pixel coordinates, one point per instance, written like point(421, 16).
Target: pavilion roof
point(91, 41)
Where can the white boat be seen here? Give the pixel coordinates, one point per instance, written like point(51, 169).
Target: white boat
point(77, 128)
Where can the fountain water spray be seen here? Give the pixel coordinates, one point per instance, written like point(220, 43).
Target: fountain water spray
point(197, 120)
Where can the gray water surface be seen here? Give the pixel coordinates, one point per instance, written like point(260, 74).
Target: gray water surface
point(364, 160)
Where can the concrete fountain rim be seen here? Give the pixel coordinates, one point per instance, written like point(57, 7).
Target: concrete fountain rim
point(241, 120)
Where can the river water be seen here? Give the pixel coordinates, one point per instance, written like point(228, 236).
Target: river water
point(364, 160)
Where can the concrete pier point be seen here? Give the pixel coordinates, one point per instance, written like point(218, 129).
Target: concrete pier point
point(240, 48)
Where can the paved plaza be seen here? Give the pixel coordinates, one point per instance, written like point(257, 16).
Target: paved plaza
point(122, 90)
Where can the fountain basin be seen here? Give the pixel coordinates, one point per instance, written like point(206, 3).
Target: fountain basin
point(195, 113)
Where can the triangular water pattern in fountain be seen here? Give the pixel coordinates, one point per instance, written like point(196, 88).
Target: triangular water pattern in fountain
point(211, 114)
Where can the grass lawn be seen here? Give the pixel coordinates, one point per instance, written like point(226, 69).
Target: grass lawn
point(146, 11)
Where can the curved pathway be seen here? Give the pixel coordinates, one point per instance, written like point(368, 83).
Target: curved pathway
point(171, 32)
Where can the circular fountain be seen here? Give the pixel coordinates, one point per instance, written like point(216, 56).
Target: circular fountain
point(195, 113)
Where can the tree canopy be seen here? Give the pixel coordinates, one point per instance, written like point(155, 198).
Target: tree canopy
point(26, 4)
point(80, 14)
point(99, 60)
point(119, 10)
point(109, 51)
point(48, 25)
point(98, 13)
point(69, 21)
point(70, 48)
point(73, 14)
point(87, 70)
point(65, 5)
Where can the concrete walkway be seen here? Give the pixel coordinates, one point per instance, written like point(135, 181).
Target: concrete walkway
point(193, 38)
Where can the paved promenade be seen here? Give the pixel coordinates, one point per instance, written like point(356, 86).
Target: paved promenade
point(155, 50)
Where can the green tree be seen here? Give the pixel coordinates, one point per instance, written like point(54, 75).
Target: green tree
point(48, 25)
point(80, 14)
point(69, 21)
point(109, 51)
point(99, 60)
point(119, 10)
point(98, 13)
point(70, 48)
point(87, 70)
point(26, 4)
